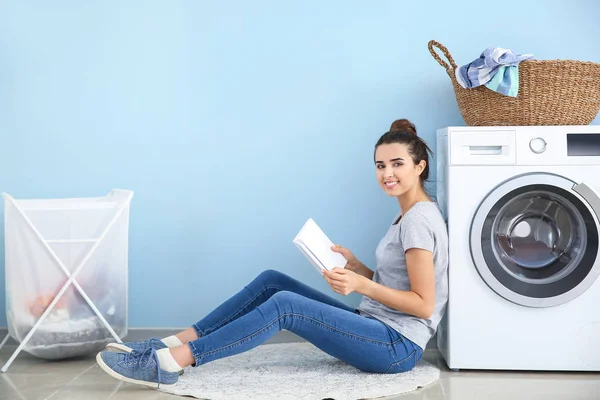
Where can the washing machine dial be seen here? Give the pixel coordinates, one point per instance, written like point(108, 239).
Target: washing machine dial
point(537, 145)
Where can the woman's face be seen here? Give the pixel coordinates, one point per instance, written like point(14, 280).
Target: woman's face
point(396, 172)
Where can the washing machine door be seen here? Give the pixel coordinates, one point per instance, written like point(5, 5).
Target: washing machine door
point(534, 239)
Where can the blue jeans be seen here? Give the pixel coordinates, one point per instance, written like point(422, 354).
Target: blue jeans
point(274, 301)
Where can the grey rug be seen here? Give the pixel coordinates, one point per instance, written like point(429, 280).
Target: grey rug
point(294, 371)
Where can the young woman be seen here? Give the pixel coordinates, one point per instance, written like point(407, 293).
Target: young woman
point(403, 300)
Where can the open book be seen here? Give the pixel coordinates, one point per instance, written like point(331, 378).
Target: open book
point(316, 246)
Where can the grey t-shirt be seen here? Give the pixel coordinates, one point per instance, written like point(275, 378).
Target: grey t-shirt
point(422, 227)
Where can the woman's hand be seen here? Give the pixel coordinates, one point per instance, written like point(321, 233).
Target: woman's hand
point(344, 281)
point(353, 262)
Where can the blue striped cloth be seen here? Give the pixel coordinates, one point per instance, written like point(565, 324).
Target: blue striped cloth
point(496, 68)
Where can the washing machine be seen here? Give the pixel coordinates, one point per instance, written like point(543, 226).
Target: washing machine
point(522, 206)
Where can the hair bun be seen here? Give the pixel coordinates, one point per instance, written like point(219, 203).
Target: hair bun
point(404, 125)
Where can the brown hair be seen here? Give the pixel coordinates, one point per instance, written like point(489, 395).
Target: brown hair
point(404, 132)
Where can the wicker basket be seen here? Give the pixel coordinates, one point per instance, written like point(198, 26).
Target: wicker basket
point(551, 92)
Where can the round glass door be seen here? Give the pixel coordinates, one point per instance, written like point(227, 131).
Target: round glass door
point(534, 240)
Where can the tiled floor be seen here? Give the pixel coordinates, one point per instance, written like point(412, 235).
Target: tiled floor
point(31, 379)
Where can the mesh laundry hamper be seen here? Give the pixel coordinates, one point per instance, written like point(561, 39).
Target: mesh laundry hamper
point(66, 273)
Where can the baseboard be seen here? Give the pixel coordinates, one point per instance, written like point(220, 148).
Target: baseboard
point(135, 334)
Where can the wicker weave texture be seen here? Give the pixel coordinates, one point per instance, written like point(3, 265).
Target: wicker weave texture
point(551, 92)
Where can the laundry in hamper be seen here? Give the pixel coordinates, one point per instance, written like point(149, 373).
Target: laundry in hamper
point(66, 273)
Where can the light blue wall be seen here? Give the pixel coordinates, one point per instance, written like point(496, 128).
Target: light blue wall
point(235, 121)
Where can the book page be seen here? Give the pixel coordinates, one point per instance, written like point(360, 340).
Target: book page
point(311, 257)
point(318, 245)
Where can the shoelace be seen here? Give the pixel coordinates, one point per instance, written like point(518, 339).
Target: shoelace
point(149, 354)
point(149, 342)
point(147, 345)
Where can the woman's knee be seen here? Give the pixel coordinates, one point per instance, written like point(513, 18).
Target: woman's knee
point(286, 302)
point(285, 297)
point(270, 276)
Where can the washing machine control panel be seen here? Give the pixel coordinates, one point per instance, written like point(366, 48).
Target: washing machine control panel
point(537, 145)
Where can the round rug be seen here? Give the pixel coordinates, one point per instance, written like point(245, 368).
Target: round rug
point(294, 371)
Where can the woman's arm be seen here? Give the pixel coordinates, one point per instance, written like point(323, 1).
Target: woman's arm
point(420, 300)
point(361, 269)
